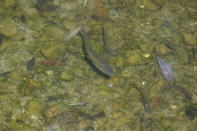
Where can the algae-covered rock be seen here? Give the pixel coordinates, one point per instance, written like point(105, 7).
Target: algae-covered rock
point(67, 75)
point(5, 46)
point(146, 47)
point(119, 62)
point(162, 49)
point(52, 51)
point(51, 112)
point(112, 38)
point(34, 109)
point(8, 28)
point(126, 73)
point(193, 126)
point(2, 3)
point(27, 87)
point(87, 125)
point(33, 15)
point(53, 32)
point(100, 9)
point(134, 57)
point(45, 5)
point(157, 103)
point(10, 3)
point(78, 72)
point(189, 38)
point(71, 6)
point(152, 4)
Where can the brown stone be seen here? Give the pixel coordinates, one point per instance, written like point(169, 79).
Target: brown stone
point(100, 10)
point(157, 102)
point(51, 112)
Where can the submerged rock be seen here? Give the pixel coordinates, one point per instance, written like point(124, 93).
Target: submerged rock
point(189, 38)
point(52, 51)
point(67, 76)
point(100, 9)
point(8, 28)
point(54, 32)
point(10, 3)
point(34, 109)
point(134, 57)
point(45, 5)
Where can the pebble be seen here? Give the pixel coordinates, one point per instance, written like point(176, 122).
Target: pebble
point(100, 10)
point(146, 55)
point(49, 72)
point(173, 107)
point(110, 85)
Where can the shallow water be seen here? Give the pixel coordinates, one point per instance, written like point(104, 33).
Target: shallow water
point(76, 96)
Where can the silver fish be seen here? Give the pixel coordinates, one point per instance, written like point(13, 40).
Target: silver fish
point(165, 69)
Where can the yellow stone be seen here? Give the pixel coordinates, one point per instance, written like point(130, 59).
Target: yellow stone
point(173, 107)
point(146, 55)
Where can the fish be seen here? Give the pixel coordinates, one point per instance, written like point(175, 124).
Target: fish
point(169, 75)
point(4, 73)
point(30, 64)
point(106, 40)
point(145, 103)
point(147, 123)
point(144, 100)
point(165, 69)
point(97, 61)
point(184, 92)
